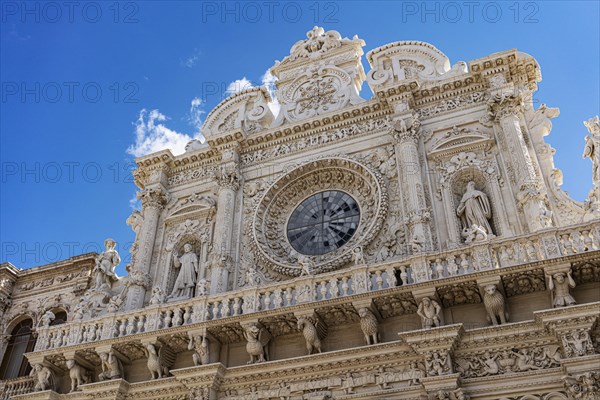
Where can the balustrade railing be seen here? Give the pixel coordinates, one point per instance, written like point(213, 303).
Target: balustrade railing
point(468, 259)
point(16, 386)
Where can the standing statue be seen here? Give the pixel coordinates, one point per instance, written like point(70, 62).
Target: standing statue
point(313, 333)
point(592, 148)
point(369, 325)
point(43, 376)
point(429, 311)
point(560, 288)
point(494, 305)
point(186, 279)
point(307, 265)
point(358, 256)
point(105, 266)
point(78, 374)
point(258, 339)
point(474, 211)
point(201, 354)
point(47, 318)
point(112, 368)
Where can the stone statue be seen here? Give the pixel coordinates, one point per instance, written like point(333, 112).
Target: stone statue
point(495, 305)
point(560, 287)
point(43, 376)
point(47, 318)
point(252, 277)
point(112, 368)
point(202, 287)
point(357, 256)
point(78, 374)
point(429, 311)
point(313, 333)
point(186, 279)
point(160, 361)
point(369, 325)
point(308, 266)
point(591, 149)
point(201, 354)
point(158, 297)
point(105, 266)
point(474, 211)
point(438, 364)
point(258, 339)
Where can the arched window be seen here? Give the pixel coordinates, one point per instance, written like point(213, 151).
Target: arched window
point(60, 318)
point(21, 341)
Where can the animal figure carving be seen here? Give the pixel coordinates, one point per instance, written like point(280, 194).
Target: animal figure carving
point(369, 325)
point(78, 374)
point(159, 362)
point(494, 305)
point(313, 333)
point(258, 338)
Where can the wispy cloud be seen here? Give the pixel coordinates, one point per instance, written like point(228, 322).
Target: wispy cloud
point(135, 203)
point(190, 61)
point(152, 135)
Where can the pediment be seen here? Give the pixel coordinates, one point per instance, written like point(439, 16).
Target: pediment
point(192, 205)
point(459, 140)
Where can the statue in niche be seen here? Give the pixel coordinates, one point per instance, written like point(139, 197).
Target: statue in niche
point(559, 285)
point(105, 266)
point(474, 212)
point(186, 278)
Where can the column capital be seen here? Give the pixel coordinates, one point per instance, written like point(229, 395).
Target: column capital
point(155, 197)
point(501, 106)
point(406, 128)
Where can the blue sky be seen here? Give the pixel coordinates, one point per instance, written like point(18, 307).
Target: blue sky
point(75, 79)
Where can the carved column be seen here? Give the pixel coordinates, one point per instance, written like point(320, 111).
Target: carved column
point(228, 180)
point(406, 139)
point(153, 202)
point(531, 195)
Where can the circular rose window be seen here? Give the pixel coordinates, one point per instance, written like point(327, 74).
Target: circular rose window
point(323, 222)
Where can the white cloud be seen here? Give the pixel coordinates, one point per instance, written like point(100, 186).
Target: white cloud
point(190, 61)
point(238, 85)
point(135, 203)
point(151, 134)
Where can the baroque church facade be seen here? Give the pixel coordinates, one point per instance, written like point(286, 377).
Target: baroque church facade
point(414, 245)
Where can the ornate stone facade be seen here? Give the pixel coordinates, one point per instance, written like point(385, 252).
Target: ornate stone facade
point(415, 245)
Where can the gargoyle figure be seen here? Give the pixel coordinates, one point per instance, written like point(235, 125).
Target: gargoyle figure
point(258, 338)
point(313, 333)
point(161, 361)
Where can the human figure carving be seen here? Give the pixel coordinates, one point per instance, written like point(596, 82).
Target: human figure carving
point(78, 375)
point(47, 318)
point(357, 256)
point(313, 333)
point(494, 305)
point(186, 278)
point(369, 325)
point(560, 287)
point(158, 297)
point(474, 211)
point(112, 368)
point(429, 311)
point(105, 266)
point(591, 149)
point(201, 354)
point(307, 265)
point(44, 378)
point(437, 364)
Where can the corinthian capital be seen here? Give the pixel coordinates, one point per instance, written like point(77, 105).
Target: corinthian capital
point(406, 129)
point(228, 177)
point(501, 105)
point(153, 198)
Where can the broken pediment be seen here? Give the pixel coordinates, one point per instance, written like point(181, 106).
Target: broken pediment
point(458, 139)
point(323, 73)
point(409, 60)
point(192, 205)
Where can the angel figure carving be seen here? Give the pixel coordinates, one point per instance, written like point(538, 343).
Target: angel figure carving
point(474, 211)
point(313, 333)
point(160, 361)
point(258, 339)
point(105, 266)
point(186, 278)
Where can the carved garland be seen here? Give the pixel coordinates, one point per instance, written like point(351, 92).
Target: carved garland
point(276, 256)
